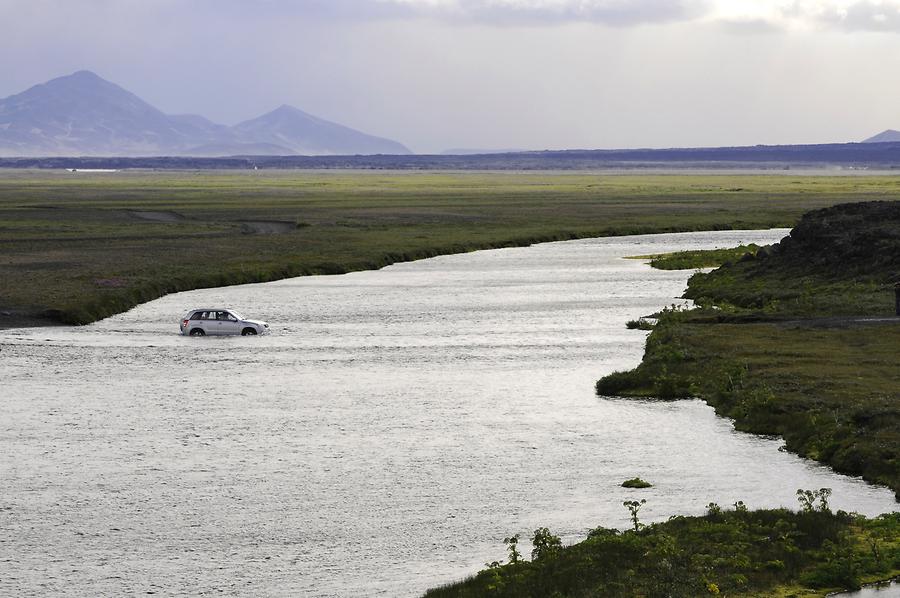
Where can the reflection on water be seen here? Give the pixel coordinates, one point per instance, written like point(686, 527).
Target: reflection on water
point(880, 590)
point(384, 439)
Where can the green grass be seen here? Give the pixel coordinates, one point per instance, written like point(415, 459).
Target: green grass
point(727, 552)
point(691, 260)
point(73, 250)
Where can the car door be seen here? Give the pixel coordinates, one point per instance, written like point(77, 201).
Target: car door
point(199, 319)
point(209, 323)
point(226, 323)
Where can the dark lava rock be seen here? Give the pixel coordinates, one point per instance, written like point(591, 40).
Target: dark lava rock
point(857, 240)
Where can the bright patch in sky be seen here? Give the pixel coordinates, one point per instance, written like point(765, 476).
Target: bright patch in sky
point(787, 14)
point(804, 14)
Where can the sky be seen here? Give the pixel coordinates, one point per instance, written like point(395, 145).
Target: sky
point(483, 74)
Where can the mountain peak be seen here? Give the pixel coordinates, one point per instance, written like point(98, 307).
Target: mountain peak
point(85, 74)
point(79, 78)
point(886, 136)
point(288, 110)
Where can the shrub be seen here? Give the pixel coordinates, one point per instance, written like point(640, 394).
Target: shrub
point(639, 324)
point(636, 483)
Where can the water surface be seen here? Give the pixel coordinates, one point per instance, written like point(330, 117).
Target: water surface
point(385, 438)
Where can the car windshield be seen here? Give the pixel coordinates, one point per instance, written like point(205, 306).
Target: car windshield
point(236, 314)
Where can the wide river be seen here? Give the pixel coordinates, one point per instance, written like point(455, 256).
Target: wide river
point(390, 432)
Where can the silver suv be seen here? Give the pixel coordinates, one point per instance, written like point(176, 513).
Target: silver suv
point(218, 321)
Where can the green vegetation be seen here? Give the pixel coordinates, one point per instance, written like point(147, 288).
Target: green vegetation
point(780, 347)
point(78, 247)
point(636, 483)
point(841, 261)
point(639, 324)
point(738, 552)
point(690, 260)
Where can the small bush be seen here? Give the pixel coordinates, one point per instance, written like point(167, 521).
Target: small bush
point(639, 324)
point(636, 483)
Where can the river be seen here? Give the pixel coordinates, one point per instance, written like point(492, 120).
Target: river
point(392, 429)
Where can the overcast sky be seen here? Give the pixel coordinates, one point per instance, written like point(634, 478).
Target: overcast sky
point(531, 74)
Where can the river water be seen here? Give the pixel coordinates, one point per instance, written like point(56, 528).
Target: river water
point(390, 432)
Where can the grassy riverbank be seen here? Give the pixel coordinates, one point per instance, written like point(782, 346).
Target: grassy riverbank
point(833, 393)
point(799, 341)
point(79, 247)
point(690, 260)
point(727, 552)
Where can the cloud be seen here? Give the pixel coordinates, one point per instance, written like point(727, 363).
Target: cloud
point(871, 15)
point(745, 15)
point(493, 12)
point(810, 15)
point(752, 15)
point(612, 12)
point(761, 15)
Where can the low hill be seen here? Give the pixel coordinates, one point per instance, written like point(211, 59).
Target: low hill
point(842, 260)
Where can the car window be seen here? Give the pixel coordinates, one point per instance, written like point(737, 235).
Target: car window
point(197, 315)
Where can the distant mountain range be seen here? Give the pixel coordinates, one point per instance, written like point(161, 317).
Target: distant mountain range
point(84, 115)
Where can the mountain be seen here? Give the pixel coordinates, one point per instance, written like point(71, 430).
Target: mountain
point(304, 133)
point(197, 129)
point(889, 135)
point(84, 115)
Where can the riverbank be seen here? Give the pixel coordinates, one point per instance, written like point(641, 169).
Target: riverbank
point(732, 552)
point(798, 341)
point(78, 248)
point(829, 391)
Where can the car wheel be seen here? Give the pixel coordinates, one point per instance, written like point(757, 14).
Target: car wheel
point(197, 332)
point(248, 332)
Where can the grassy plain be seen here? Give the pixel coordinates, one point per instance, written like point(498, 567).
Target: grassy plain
point(76, 247)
